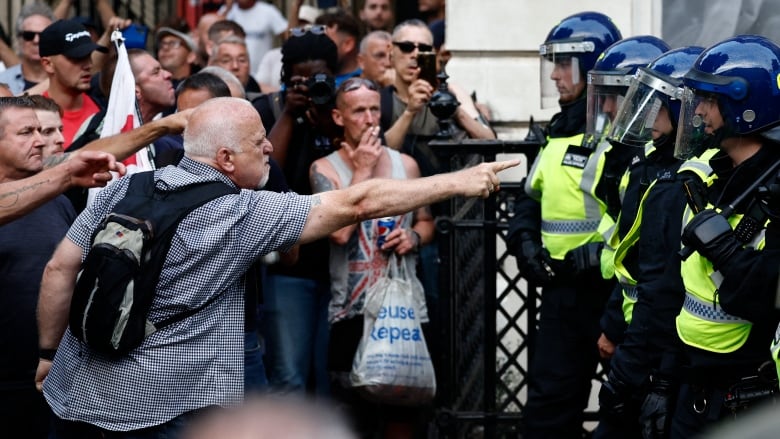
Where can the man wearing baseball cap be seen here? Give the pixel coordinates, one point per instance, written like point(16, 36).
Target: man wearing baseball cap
point(177, 54)
point(66, 48)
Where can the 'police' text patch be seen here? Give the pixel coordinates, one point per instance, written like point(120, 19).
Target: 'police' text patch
point(576, 156)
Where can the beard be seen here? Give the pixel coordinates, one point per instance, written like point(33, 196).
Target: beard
point(263, 181)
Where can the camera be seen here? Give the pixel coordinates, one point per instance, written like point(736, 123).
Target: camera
point(322, 88)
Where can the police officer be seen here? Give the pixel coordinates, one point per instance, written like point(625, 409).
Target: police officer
point(732, 93)
point(648, 120)
point(554, 216)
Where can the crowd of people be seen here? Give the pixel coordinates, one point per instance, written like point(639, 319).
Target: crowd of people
point(216, 103)
point(323, 135)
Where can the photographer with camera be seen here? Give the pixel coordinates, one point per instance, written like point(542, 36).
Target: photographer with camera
point(302, 130)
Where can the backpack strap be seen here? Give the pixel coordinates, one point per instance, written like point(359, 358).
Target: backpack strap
point(165, 210)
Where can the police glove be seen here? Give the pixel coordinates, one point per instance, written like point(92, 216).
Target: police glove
point(533, 260)
point(614, 397)
point(711, 235)
point(585, 257)
point(654, 414)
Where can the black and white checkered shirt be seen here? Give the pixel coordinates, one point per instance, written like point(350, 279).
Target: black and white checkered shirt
point(196, 362)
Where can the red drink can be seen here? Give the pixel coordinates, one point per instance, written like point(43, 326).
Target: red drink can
point(384, 226)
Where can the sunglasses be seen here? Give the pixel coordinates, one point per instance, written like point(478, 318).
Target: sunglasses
point(352, 84)
point(408, 46)
point(315, 29)
point(28, 35)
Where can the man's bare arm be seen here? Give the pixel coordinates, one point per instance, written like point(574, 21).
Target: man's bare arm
point(376, 198)
point(86, 169)
point(59, 279)
point(123, 145)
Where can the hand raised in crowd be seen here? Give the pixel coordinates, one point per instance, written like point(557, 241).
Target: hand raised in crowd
point(117, 22)
point(91, 168)
point(365, 156)
point(177, 121)
point(420, 93)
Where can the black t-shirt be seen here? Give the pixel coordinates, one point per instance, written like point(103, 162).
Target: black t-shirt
point(26, 245)
point(306, 146)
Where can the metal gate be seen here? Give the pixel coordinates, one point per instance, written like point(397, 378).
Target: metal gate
point(488, 313)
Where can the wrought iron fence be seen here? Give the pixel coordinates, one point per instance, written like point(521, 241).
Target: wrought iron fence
point(488, 313)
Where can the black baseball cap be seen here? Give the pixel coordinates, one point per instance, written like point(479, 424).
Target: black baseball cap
point(69, 38)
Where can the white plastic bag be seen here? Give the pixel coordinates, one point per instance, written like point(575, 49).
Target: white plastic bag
point(392, 364)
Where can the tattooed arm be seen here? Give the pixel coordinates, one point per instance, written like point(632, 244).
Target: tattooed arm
point(323, 178)
point(83, 168)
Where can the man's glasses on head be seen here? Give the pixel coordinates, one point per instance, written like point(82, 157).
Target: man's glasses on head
point(408, 46)
point(352, 84)
point(316, 29)
point(28, 35)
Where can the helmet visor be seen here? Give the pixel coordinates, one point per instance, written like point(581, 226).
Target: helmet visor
point(697, 124)
point(560, 71)
point(604, 99)
point(640, 119)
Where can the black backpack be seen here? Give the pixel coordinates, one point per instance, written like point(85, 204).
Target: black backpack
point(116, 286)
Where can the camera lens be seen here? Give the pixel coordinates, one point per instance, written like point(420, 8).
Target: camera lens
point(322, 88)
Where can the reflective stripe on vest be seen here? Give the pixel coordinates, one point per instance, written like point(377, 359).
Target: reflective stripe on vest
point(709, 311)
point(570, 214)
point(570, 226)
point(629, 291)
point(702, 323)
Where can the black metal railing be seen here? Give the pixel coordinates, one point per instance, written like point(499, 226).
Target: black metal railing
point(488, 312)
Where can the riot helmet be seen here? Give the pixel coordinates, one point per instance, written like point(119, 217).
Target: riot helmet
point(610, 78)
point(571, 48)
point(654, 89)
point(732, 90)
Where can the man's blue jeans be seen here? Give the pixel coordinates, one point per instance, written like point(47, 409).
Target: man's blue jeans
point(255, 379)
point(296, 333)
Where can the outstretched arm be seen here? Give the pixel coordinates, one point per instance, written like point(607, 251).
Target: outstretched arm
point(83, 168)
point(376, 198)
point(123, 145)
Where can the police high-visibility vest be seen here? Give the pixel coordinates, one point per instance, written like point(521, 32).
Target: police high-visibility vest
point(563, 179)
point(702, 322)
point(698, 166)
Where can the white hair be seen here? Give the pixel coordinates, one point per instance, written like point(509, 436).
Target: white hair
point(217, 123)
point(230, 79)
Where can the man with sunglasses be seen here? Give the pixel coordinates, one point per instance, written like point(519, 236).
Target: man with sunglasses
point(411, 124)
point(32, 20)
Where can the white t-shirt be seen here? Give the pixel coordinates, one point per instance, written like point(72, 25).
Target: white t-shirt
point(270, 70)
point(261, 23)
